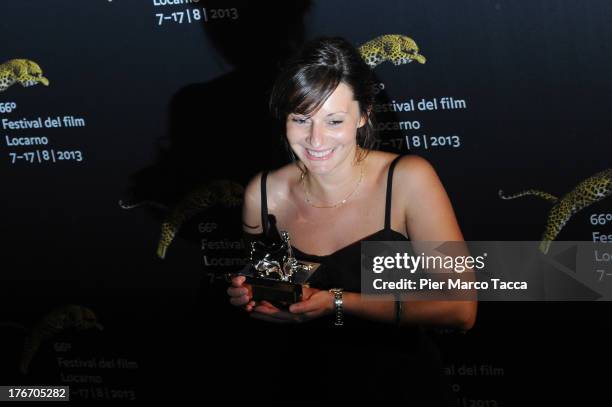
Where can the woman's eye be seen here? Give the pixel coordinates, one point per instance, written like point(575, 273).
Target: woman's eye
point(335, 122)
point(298, 121)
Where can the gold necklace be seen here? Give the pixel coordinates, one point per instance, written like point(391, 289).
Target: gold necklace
point(307, 196)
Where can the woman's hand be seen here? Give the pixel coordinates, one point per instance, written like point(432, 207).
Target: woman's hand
point(315, 303)
point(241, 294)
point(268, 312)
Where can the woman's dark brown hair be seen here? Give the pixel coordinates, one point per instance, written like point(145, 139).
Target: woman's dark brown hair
point(311, 76)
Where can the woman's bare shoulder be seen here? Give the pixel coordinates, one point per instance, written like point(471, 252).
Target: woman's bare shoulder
point(283, 176)
point(378, 161)
point(275, 180)
point(415, 171)
point(414, 181)
point(429, 212)
point(278, 183)
point(408, 168)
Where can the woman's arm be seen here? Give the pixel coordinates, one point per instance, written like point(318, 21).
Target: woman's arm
point(430, 218)
point(239, 292)
point(251, 206)
point(455, 314)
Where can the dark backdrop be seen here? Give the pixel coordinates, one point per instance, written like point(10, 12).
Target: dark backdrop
point(173, 97)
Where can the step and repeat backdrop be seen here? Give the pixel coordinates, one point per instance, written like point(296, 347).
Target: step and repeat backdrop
point(129, 128)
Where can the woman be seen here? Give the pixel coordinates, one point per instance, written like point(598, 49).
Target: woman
point(338, 192)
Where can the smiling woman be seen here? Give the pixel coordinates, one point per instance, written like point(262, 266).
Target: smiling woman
point(331, 79)
point(326, 139)
point(335, 194)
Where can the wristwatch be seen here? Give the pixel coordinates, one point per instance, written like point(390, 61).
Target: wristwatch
point(337, 292)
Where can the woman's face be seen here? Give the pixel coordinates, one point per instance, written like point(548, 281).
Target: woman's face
point(328, 137)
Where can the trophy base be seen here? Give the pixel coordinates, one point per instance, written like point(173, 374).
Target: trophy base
point(279, 293)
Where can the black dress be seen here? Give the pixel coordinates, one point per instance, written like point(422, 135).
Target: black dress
point(362, 360)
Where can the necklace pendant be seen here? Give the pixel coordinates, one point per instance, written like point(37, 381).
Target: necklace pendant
point(307, 198)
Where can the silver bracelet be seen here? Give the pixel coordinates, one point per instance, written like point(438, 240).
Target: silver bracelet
point(338, 303)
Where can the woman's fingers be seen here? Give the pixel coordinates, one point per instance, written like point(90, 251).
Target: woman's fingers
point(318, 302)
point(239, 301)
point(308, 292)
point(250, 306)
point(265, 308)
point(237, 281)
point(241, 294)
point(268, 304)
point(303, 307)
point(237, 291)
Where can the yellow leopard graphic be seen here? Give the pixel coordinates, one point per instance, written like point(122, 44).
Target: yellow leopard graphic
point(396, 48)
point(225, 192)
point(56, 321)
point(25, 72)
point(586, 193)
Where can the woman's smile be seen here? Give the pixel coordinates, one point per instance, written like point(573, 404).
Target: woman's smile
point(319, 155)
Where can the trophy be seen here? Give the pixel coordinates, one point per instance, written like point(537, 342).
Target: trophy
point(274, 274)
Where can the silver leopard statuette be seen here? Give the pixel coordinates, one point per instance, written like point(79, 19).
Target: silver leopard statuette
point(275, 274)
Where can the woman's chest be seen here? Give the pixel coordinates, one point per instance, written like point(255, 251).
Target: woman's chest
point(323, 231)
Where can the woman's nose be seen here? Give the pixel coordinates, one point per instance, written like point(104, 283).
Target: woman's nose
point(315, 137)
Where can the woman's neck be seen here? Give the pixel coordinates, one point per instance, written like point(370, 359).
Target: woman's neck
point(329, 188)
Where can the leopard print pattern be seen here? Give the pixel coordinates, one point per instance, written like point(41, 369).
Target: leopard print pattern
point(225, 192)
point(53, 323)
point(586, 193)
point(396, 48)
point(23, 71)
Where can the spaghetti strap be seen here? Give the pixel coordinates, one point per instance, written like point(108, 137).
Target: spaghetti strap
point(264, 203)
point(389, 191)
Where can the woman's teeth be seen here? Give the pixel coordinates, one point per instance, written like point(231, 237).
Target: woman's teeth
point(319, 154)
